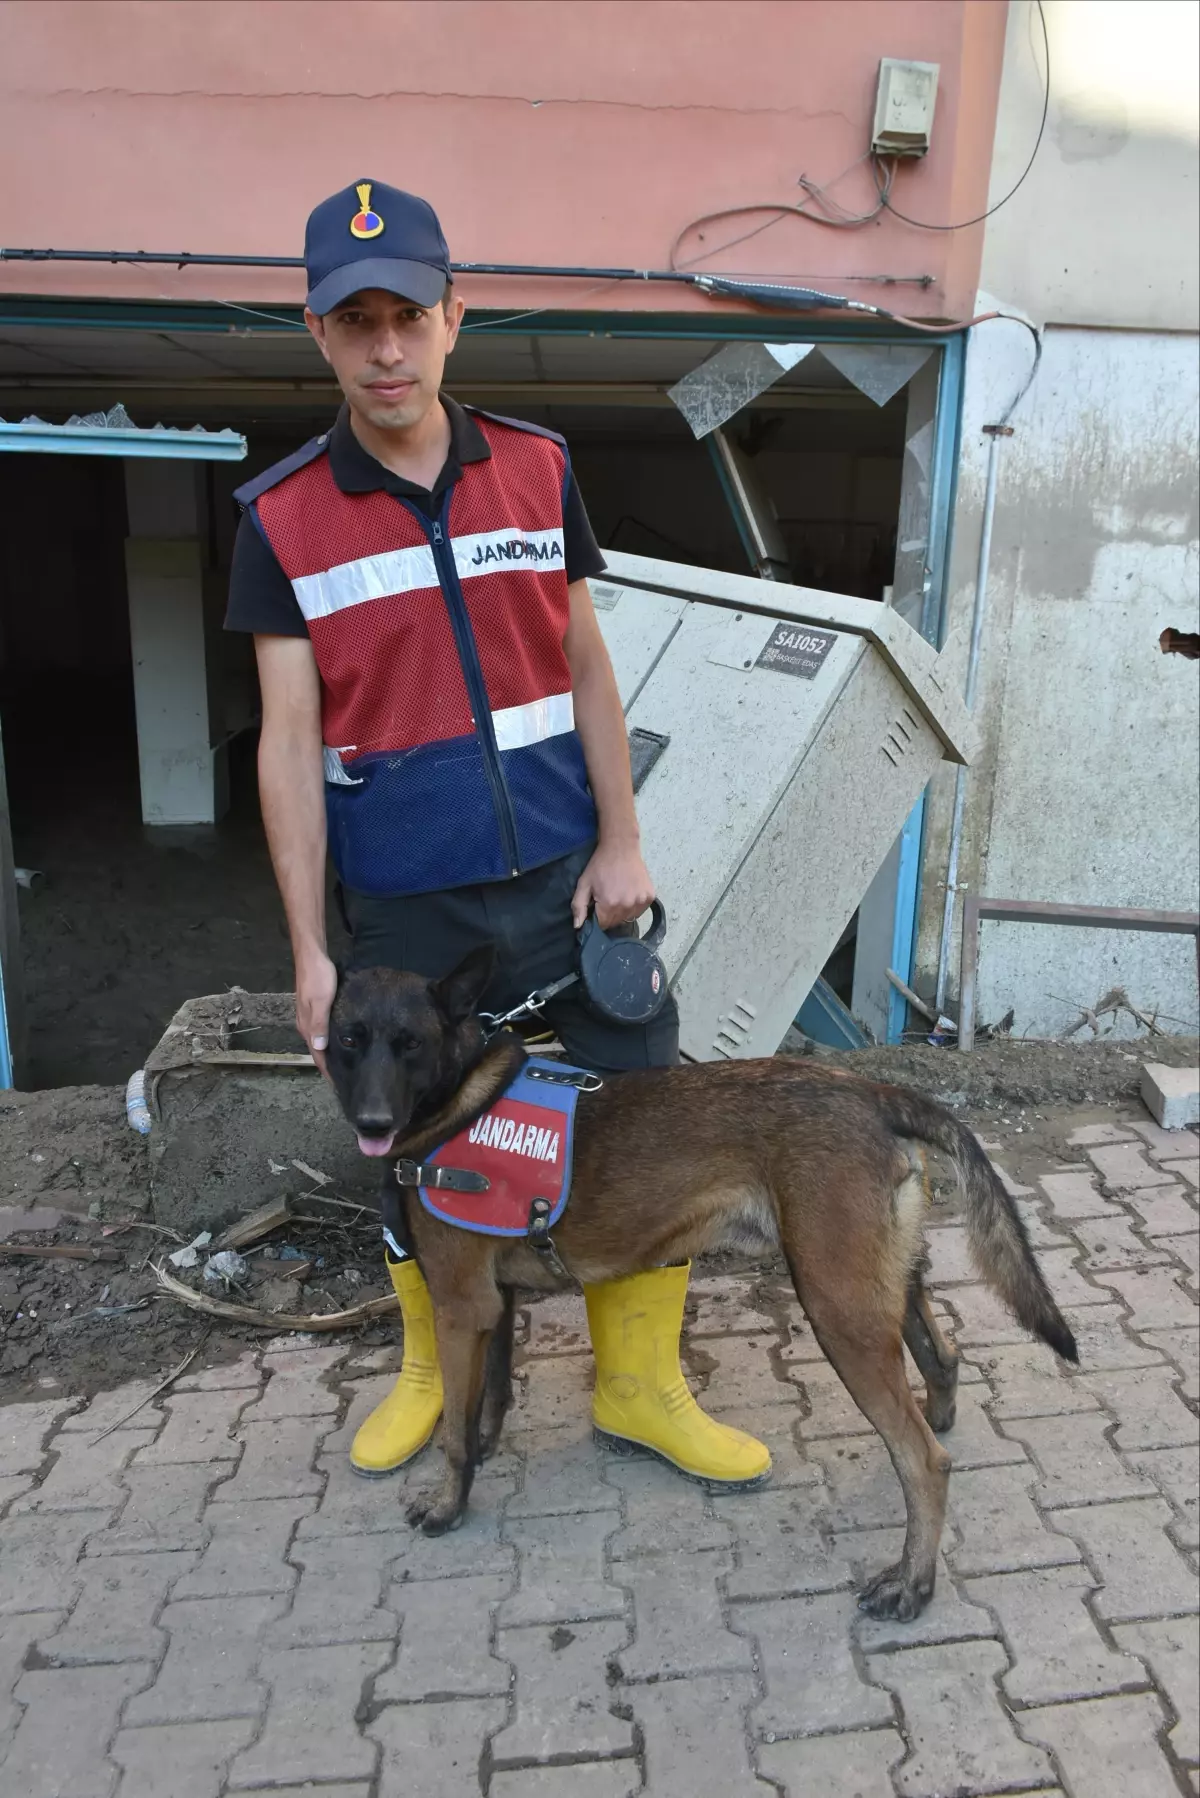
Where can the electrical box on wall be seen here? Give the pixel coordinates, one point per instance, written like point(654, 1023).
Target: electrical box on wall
point(904, 107)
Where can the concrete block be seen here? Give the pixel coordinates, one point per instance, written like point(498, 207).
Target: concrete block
point(1172, 1095)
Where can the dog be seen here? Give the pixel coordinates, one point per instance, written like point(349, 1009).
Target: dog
point(671, 1163)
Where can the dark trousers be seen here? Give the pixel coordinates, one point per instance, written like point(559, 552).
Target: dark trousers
point(529, 922)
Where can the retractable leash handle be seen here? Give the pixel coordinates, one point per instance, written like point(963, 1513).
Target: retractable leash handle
point(623, 977)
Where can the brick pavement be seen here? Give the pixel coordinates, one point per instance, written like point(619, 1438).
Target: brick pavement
point(206, 1602)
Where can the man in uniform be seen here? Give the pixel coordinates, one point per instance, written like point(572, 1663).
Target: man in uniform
point(439, 711)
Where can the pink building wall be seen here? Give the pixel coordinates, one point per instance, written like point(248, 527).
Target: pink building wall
point(565, 131)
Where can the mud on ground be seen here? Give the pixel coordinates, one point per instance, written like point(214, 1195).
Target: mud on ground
point(82, 1327)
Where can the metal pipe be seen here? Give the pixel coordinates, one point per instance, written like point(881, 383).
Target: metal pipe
point(995, 432)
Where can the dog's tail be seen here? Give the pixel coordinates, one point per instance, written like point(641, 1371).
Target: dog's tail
point(995, 1230)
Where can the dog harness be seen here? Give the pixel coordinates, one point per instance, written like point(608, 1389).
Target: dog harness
point(451, 755)
point(508, 1173)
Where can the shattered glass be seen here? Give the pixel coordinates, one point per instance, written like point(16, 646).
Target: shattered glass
point(730, 379)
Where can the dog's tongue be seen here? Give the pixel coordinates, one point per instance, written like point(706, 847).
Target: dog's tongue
point(376, 1145)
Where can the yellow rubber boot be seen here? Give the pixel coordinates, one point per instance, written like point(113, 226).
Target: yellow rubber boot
point(400, 1427)
point(641, 1396)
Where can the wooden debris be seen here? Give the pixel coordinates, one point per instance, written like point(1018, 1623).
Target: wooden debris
point(160, 1388)
point(249, 1058)
point(60, 1251)
point(906, 992)
point(257, 1224)
point(288, 1320)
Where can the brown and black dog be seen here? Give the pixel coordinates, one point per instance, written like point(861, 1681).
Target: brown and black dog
point(673, 1162)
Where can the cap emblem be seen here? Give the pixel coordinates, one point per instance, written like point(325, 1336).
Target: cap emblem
point(365, 223)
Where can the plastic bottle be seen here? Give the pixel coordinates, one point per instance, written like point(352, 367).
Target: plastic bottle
point(135, 1103)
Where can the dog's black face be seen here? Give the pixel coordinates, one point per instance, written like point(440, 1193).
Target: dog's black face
point(398, 1043)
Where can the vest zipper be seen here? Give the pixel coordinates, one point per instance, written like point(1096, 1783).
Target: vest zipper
point(468, 656)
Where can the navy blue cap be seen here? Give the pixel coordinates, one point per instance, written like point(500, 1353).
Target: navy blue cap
point(372, 235)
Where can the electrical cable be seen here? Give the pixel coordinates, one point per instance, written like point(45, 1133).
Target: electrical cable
point(962, 225)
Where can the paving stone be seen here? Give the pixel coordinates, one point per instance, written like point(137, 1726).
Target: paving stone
point(1164, 1211)
point(800, 1345)
point(1186, 1170)
point(1110, 1242)
point(209, 1668)
point(726, 1306)
point(1066, 1280)
point(199, 1428)
point(24, 1430)
point(961, 1740)
point(999, 1529)
point(109, 1409)
point(1106, 1747)
point(164, 1510)
point(297, 1385)
point(354, 1789)
point(679, 1623)
point(661, 1510)
point(558, 1326)
point(1011, 1186)
point(366, 1394)
point(1077, 1461)
point(1156, 1299)
point(854, 1765)
point(974, 1441)
point(1143, 1575)
point(1185, 1250)
point(113, 1618)
point(1171, 1647)
point(778, 1426)
point(196, 1754)
point(242, 1374)
point(1147, 1406)
point(564, 1474)
point(277, 1461)
point(864, 1490)
point(86, 1473)
point(695, 1746)
point(17, 1636)
point(981, 1318)
point(826, 1407)
point(1166, 1143)
point(15, 1485)
point(446, 1629)
point(1058, 1652)
point(1104, 1339)
point(38, 1555)
point(1087, 1135)
point(1028, 1381)
point(247, 1550)
point(549, 1390)
point(564, 1702)
point(1039, 1232)
point(812, 1684)
point(340, 1597)
point(946, 1618)
point(1176, 1473)
point(1076, 1195)
point(743, 1378)
point(582, 1779)
point(1183, 1348)
point(433, 1750)
point(311, 1732)
point(58, 1748)
point(474, 1547)
point(950, 1260)
point(562, 1570)
point(781, 1549)
point(1125, 1168)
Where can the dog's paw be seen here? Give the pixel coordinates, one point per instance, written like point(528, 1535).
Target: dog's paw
point(894, 1593)
point(433, 1516)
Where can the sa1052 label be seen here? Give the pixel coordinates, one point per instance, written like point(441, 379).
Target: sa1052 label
point(796, 649)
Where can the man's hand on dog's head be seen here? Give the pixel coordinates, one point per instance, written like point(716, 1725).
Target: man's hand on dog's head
point(617, 882)
point(316, 987)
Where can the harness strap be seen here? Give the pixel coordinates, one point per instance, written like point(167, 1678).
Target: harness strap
point(452, 1179)
point(579, 1078)
point(539, 1239)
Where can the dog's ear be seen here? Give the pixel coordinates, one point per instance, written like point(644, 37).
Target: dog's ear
point(459, 993)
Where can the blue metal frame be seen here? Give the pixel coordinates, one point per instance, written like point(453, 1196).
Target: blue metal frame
point(6, 1067)
point(158, 442)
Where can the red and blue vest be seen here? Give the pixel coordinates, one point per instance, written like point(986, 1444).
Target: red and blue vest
point(451, 754)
